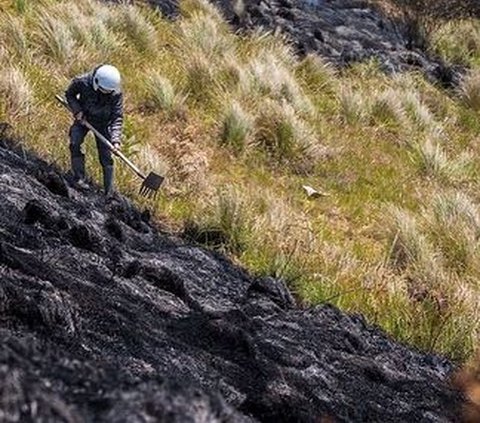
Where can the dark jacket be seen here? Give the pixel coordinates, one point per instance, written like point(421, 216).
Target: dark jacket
point(101, 110)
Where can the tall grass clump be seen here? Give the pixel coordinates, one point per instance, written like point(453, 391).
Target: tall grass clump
point(278, 46)
point(131, 21)
point(21, 6)
point(161, 94)
point(354, 107)
point(434, 162)
point(410, 247)
point(103, 40)
point(469, 90)
point(283, 239)
point(417, 111)
point(16, 93)
point(206, 34)
point(387, 108)
point(201, 83)
point(237, 126)
point(224, 223)
point(88, 24)
point(455, 225)
point(436, 252)
point(286, 137)
point(56, 38)
point(458, 41)
point(189, 8)
point(205, 45)
point(270, 77)
point(317, 74)
point(13, 36)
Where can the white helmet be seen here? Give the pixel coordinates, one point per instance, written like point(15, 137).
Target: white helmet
point(107, 79)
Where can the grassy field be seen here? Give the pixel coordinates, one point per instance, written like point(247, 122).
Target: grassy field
point(239, 124)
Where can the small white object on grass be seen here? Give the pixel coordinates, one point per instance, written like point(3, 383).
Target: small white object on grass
point(313, 193)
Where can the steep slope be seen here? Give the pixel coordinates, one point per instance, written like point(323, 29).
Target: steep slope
point(105, 318)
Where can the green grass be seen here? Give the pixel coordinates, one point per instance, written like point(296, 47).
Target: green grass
point(239, 124)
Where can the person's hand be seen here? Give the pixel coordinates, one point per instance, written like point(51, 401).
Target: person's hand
point(116, 146)
point(79, 116)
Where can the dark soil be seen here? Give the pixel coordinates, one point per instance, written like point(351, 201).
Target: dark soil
point(104, 318)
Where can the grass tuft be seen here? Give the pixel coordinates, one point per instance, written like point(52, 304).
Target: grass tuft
point(14, 36)
point(410, 247)
point(387, 109)
point(56, 38)
point(237, 127)
point(286, 137)
point(433, 161)
point(225, 225)
point(205, 34)
point(16, 92)
point(162, 95)
point(130, 21)
point(469, 90)
point(354, 108)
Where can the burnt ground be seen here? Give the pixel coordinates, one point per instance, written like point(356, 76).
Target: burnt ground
point(105, 318)
point(343, 32)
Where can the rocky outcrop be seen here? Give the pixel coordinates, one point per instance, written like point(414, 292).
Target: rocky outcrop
point(105, 318)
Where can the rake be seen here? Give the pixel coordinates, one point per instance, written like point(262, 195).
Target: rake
point(151, 182)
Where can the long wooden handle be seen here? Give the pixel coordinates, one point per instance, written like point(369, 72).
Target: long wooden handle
point(105, 141)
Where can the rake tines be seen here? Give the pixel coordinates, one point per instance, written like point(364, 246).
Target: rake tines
point(150, 185)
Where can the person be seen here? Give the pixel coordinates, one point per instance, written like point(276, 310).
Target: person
point(96, 97)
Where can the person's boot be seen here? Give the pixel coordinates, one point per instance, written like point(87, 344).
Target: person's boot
point(78, 169)
point(108, 181)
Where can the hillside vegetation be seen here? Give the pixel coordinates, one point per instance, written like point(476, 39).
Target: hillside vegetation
point(239, 124)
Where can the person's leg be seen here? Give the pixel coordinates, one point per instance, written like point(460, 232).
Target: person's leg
point(106, 160)
point(77, 135)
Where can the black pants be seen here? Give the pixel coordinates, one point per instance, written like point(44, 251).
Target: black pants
point(77, 135)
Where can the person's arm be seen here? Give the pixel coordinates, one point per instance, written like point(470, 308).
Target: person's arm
point(73, 90)
point(116, 125)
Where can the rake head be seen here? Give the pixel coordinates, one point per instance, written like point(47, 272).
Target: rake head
point(151, 184)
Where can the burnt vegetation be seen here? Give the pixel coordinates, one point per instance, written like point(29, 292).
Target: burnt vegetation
point(103, 318)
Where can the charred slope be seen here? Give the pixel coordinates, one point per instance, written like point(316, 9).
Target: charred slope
point(104, 318)
point(341, 31)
